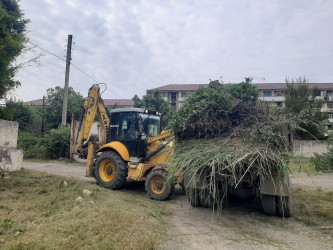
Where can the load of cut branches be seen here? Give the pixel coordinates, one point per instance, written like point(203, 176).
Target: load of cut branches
point(224, 134)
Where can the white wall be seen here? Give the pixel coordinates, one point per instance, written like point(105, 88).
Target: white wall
point(307, 148)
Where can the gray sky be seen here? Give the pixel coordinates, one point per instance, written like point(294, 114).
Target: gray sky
point(134, 45)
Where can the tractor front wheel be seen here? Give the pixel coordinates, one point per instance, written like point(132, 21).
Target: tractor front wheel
point(110, 170)
point(157, 186)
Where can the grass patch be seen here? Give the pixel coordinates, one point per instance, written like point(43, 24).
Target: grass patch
point(313, 206)
point(38, 212)
point(301, 165)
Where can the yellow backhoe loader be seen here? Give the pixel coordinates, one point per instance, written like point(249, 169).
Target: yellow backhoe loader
point(131, 146)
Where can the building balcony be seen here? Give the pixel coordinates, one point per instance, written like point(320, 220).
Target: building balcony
point(272, 98)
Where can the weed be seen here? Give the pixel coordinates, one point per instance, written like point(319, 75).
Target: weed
point(45, 216)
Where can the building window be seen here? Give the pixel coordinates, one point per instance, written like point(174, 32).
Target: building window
point(173, 106)
point(173, 97)
point(330, 105)
point(330, 115)
point(267, 93)
point(163, 94)
point(279, 104)
point(184, 94)
point(329, 93)
point(279, 93)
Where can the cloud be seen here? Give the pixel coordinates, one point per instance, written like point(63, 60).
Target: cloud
point(137, 45)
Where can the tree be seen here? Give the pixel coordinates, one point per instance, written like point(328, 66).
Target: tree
point(152, 102)
point(12, 43)
point(300, 99)
point(54, 106)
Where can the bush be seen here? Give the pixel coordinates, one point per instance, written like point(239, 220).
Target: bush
point(32, 144)
point(57, 143)
point(53, 145)
point(323, 162)
point(211, 112)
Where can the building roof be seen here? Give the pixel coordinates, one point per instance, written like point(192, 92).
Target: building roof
point(179, 87)
point(260, 86)
point(38, 102)
point(120, 102)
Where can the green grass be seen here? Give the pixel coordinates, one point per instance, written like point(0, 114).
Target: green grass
point(38, 212)
point(313, 206)
point(302, 166)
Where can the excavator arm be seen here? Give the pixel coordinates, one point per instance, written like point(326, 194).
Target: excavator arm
point(93, 105)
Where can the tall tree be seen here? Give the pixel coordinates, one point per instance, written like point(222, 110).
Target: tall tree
point(301, 99)
point(152, 102)
point(12, 42)
point(54, 105)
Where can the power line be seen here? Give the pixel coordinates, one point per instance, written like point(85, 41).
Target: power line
point(83, 72)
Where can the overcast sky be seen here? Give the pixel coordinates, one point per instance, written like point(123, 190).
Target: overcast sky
point(135, 45)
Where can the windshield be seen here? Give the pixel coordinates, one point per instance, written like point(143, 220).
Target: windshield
point(149, 124)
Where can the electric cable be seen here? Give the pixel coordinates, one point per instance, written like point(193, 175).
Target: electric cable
point(83, 72)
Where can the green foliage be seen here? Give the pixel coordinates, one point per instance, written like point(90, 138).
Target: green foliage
point(204, 114)
point(244, 91)
point(52, 145)
point(12, 42)
point(54, 108)
point(323, 162)
point(21, 113)
point(152, 102)
point(300, 99)
point(57, 143)
point(6, 225)
point(209, 112)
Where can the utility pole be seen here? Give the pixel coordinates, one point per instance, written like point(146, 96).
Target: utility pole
point(43, 114)
point(68, 63)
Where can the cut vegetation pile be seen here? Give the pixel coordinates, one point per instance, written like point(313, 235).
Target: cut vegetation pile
point(223, 133)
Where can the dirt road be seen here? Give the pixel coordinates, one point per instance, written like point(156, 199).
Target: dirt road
point(240, 226)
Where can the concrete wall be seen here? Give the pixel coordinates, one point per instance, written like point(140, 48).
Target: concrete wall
point(8, 134)
point(307, 148)
point(10, 158)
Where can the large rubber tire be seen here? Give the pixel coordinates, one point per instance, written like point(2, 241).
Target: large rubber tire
point(193, 196)
point(269, 204)
point(110, 170)
point(205, 197)
point(284, 206)
point(157, 186)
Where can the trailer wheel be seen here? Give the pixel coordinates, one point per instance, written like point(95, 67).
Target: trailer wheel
point(157, 186)
point(269, 204)
point(110, 170)
point(284, 206)
point(193, 196)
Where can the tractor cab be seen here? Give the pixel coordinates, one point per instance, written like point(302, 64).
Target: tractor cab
point(132, 126)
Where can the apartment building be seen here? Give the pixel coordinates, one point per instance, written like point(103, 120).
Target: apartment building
point(176, 94)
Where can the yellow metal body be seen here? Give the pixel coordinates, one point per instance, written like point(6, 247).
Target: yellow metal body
point(119, 147)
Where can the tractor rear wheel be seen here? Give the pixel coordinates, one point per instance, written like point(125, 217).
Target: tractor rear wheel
point(269, 204)
point(110, 170)
point(205, 197)
point(284, 206)
point(157, 186)
point(193, 196)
